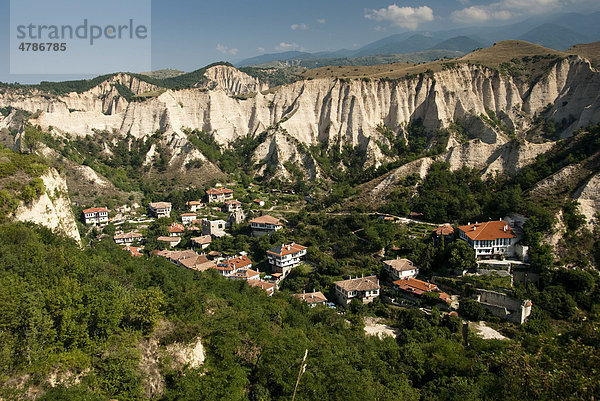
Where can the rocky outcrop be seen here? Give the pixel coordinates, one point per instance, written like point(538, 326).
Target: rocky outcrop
point(232, 81)
point(341, 112)
point(588, 197)
point(53, 208)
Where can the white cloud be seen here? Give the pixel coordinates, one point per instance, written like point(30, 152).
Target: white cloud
point(480, 14)
point(379, 28)
point(283, 46)
point(406, 17)
point(302, 27)
point(506, 9)
point(261, 50)
point(321, 20)
point(226, 50)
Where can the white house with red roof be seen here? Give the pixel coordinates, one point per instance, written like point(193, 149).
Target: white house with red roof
point(284, 258)
point(238, 268)
point(489, 239)
point(401, 268)
point(96, 215)
point(265, 225)
point(232, 206)
point(187, 218)
point(176, 230)
point(365, 289)
point(193, 205)
point(160, 209)
point(219, 195)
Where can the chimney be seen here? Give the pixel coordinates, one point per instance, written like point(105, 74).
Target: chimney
point(474, 228)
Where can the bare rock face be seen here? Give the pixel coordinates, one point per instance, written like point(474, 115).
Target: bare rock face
point(232, 81)
point(589, 200)
point(53, 208)
point(338, 112)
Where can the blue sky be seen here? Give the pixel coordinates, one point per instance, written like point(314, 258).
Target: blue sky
point(188, 34)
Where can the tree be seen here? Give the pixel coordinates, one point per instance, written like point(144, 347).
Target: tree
point(471, 309)
point(460, 256)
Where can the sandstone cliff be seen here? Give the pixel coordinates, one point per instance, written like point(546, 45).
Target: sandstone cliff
point(338, 112)
point(53, 208)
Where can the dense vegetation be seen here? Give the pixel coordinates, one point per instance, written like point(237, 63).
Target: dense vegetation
point(20, 180)
point(67, 310)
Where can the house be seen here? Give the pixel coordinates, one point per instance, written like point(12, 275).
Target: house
point(199, 262)
point(400, 268)
point(219, 195)
point(202, 242)
point(265, 225)
point(187, 218)
point(176, 230)
point(490, 239)
point(232, 206)
point(160, 209)
point(135, 251)
point(238, 268)
point(414, 289)
point(193, 205)
point(444, 231)
point(171, 241)
point(269, 288)
point(214, 228)
point(245, 274)
point(312, 298)
point(96, 215)
point(501, 305)
point(128, 238)
point(365, 289)
point(259, 202)
point(236, 217)
point(188, 259)
point(284, 258)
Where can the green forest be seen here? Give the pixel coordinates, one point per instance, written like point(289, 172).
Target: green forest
point(90, 312)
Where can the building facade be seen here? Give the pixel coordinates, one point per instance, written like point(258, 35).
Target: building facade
point(96, 215)
point(492, 239)
point(365, 289)
point(284, 258)
point(160, 209)
point(401, 268)
point(265, 225)
point(219, 195)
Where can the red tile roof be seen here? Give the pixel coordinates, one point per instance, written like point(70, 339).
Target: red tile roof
point(445, 229)
point(218, 191)
point(400, 265)
point(95, 210)
point(488, 231)
point(193, 203)
point(202, 240)
point(188, 214)
point(286, 249)
point(266, 219)
point(169, 239)
point(233, 202)
point(160, 205)
point(128, 235)
point(239, 262)
point(412, 284)
point(263, 285)
point(245, 274)
point(311, 297)
point(176, 228)
point(133, 250)
point(359, 284)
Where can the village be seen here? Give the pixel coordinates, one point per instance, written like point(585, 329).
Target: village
point(496, 248)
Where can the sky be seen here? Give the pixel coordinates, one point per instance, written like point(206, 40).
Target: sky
point(189, 34)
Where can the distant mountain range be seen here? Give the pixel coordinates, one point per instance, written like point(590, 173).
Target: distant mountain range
point(558, 32)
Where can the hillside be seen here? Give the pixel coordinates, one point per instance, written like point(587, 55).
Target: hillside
point(335, 120)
